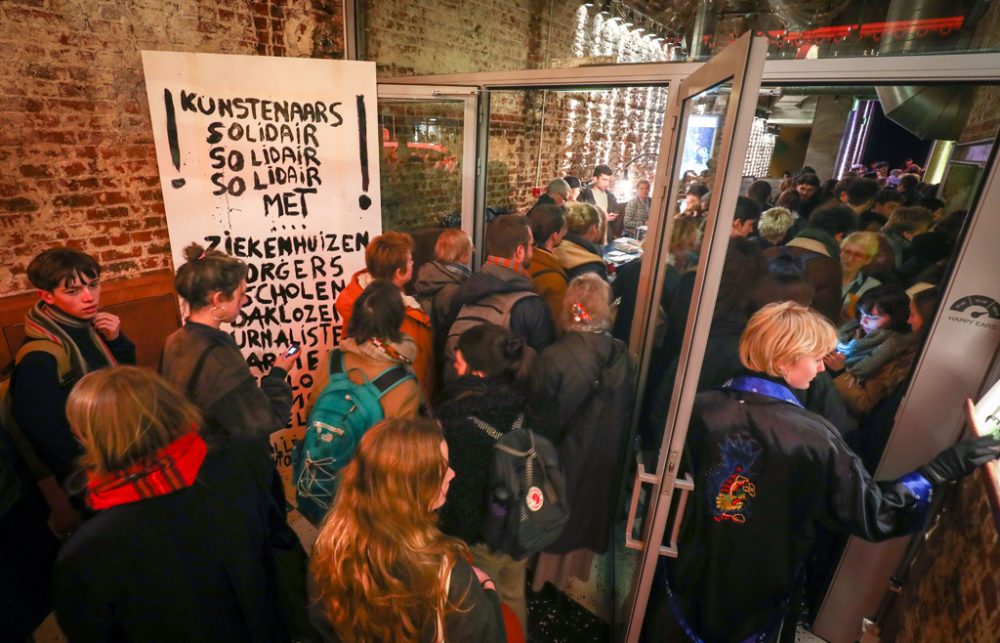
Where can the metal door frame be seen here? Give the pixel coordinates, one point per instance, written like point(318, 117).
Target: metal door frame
point(454, 93)
point(844, 606)
point(740, 64)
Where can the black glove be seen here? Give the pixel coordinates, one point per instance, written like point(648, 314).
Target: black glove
point(961, 460)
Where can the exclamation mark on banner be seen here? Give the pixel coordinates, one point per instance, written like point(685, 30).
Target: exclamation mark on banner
point(364, 201)
point(175, 148)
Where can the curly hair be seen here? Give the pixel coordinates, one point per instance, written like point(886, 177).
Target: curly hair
point(380, 563)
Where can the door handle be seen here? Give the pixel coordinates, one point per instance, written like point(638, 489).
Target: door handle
point(641, 478)
point(685, 486)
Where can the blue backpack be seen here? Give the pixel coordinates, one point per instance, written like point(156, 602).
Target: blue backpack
point(342, 414)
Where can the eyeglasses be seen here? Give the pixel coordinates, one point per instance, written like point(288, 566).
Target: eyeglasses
point(854, 253)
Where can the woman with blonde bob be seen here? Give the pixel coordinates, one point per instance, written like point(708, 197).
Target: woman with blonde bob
point(768, 474)
point(381, 569)
point(178, 549)
point(579, 252)
point(589, 425)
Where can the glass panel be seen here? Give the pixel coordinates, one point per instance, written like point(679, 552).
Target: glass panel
point(420, 165)
point(859, 142)
point(536, 136)
point(695, 181)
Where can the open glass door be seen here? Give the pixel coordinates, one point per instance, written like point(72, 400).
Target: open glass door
point(711, 117)
point(427, 161)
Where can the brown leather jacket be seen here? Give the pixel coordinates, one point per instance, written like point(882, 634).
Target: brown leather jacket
point(822, 271)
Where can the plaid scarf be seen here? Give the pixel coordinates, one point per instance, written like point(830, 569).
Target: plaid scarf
point(509, 264)
point(173, 467)
point(46, 322)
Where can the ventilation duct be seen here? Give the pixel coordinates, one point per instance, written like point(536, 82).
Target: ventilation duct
point(931, 112)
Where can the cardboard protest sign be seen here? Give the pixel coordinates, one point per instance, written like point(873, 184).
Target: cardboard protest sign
point(274, 161)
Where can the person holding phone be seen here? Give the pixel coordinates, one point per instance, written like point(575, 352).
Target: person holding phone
point(203, 360)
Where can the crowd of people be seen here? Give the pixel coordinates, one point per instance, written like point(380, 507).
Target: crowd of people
point(126, 464)
point(168, 520)
point(868, 251)
point(827, 292)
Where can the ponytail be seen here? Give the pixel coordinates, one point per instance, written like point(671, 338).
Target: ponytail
point(497, 353)
point(206, 272)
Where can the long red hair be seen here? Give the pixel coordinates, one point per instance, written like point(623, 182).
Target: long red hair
point(380, 562)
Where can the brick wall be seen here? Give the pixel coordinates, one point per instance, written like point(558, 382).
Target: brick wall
point(535, 135)
point(538, 135)
point(77, 160)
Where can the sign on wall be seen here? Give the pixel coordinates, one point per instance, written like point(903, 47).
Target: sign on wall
point(274, 161)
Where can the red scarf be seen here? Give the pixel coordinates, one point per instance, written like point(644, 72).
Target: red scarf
point(509, 264)
point(173, 467)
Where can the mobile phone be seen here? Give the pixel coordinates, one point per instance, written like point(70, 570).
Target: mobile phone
point(292, 350)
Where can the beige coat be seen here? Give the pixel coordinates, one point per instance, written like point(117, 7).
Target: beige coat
point(360, 362)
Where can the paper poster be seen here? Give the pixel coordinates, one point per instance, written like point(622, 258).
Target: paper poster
point(274, 161)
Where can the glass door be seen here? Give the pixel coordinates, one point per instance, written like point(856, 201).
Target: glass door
point(427, 160)
point(702, 163)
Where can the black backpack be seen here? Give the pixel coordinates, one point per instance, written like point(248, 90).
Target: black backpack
point(785, 262)
point(527, 508)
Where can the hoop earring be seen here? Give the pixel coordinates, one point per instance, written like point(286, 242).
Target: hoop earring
point(215, 317)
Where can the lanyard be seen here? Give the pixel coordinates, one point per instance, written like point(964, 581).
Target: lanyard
point(760, 386)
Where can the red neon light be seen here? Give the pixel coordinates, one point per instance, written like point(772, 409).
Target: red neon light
point(874, 30)
point(943, 25)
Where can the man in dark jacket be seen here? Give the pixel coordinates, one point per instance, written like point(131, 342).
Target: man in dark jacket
point(808, 187)
point(557, 193)
point(501, 292)
point(859, 193)
point(816, 253)
point(599, 193)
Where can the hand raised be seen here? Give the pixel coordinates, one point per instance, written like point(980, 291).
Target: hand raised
point(108, 325)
